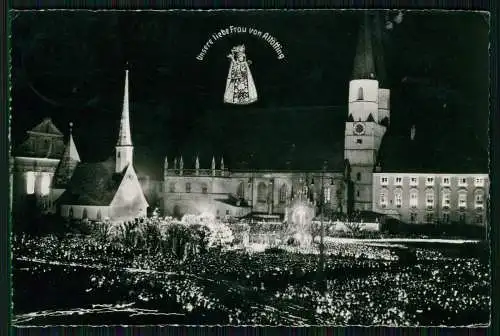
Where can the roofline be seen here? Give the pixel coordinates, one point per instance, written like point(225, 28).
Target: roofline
point(47, 134)
point(406, 173)
point(34, 158)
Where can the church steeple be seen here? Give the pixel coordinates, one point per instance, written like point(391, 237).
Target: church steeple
point(124, 147)
point(364, 61)
point(124, 137)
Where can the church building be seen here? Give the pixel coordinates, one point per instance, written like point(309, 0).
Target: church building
point(108, 189)
point(53, 176)
point(373, 168)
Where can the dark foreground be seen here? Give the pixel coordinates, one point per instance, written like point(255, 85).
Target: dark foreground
point(79, 282)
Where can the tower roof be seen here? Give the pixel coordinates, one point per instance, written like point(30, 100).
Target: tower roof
point(68, 163)
point(124, 136)
point(368, 61)
point(46, 127)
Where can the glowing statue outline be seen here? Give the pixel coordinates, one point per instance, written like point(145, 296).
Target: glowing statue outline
point(240, 86)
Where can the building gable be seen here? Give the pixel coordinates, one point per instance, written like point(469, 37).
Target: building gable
point(129, 200)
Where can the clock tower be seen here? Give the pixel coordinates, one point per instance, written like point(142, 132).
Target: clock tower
point(368, 112)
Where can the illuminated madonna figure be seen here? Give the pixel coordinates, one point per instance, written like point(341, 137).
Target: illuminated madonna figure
point(240, 87)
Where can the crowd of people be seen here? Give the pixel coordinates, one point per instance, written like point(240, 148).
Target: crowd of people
point(359, 284)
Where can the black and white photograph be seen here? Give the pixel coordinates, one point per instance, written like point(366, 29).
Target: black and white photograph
point(250, 168)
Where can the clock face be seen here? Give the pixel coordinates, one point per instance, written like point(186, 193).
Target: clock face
point(359, 128)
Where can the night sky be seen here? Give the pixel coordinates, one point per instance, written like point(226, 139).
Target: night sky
point(70, 66)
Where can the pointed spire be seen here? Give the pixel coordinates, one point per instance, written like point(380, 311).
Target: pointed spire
point(68, 162)
point(364, 64)
point(166, 163)
point(124, 137)
point(71, 147)
point(181, 164)
point(213, 165)
point(175, 163)
point(222, 163)
point(197, 163)
point(412, 132)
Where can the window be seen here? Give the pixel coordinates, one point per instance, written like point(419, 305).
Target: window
point(479, 219)
point(398, 198)
point(262, 192)
point(384, 180)
point(462, 182)
point(99, 215)
point(446, 218)
point(429, 181)
point(398, 180)
point(429, 218)
point(413, 217)
point(358, 176)
point(383, 199)
point(359, 141)
point(413, 198)
point(462, 200)
point(204, 188)
point(413, 181)
point(228, 212)
point(446, 181)
point(30, 183)
point(357, 193)
point(461, 218)
point(240, 192)
point(479, 182)
point(331, 180)
point(71, 213)
point(85, 214)
point(283, 193)
point(327, 195)
point(446, 199)
point(172, 187)
point(45, 184)
point(118, 154)
point(479, 199)
point(360, 93)
point(188, 187)
point(429, 199)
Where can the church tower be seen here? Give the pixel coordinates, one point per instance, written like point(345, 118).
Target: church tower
point(368, 112)
point(124, 148)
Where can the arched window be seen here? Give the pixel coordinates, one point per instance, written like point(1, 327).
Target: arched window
point(283, 193)
point(358, 176)
point(261, 192)
point(328, 194)
point(85, 214)
point(45, 184)
point(204, 188)
point(188, 187)
point(240, 192)
point(360, 94)
point(71, 213)
point(398, 198)
point(414, 198)
point(30, 183)
point(99, 215)
point(446, 201)
point(172, 187)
